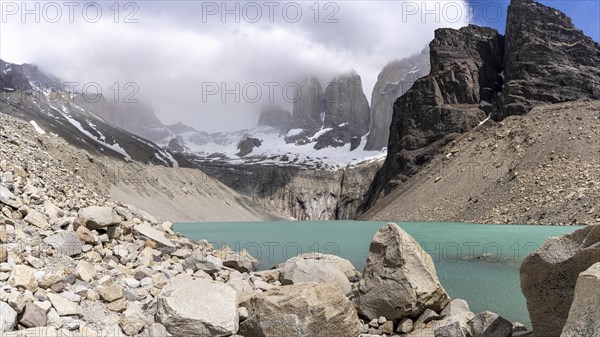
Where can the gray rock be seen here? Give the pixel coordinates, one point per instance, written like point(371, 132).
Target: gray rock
point(405, 326)
point(240, 261)
point(37, 219)
point(399, 278)
point(311, 309)
point(8, 198)
point(489, 324)
point(449, 329)
point(584, 316)
point(549, 275)
point(8, 317)
point(157, 330)
point(455, 307)
point(198, 307)
point(33, 316)
point(319, 268)
point(153, 234)
point(276, 117)
point(63, 306)
point(203, 261)
point(99, 217)
point(66, 243)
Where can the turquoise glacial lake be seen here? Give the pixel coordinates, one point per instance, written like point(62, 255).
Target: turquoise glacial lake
point(490, 283)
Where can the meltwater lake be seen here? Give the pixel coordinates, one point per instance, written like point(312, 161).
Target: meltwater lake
point(479, 263)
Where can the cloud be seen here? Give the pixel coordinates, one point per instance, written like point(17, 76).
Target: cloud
point(178, 48)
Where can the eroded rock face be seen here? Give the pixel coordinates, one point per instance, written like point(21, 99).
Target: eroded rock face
point(399, 278)
point(247, 145)
point(549, 275)
point(198, 307)
point(547, 60)
point(396, 78)
point(302, 310)
point(584, 316)
point(308, 108)
point(465, 71)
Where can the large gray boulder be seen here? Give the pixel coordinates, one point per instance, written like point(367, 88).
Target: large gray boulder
point(300, 310)
point(318, 268)
point(549, 275)
point(190, 306)
point(399, 278)
point(241, 261)
point(584, 316)
point(200, 260)
point(99, 217)
point(66, 243)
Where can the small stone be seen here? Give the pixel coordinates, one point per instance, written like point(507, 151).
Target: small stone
point(117, 306)
point(33, 316)
point(405, 326)
point(111, 292)
point(387, 327)
point(85, 235)
point(85, 271)
point(63, 306)
point(23, 277)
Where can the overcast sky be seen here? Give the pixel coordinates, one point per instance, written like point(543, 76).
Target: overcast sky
point(180, 54)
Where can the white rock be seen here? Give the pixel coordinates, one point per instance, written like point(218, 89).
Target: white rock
point(198, 307)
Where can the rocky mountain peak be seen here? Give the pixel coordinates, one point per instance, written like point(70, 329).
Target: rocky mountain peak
point(393, 81)
point(546, 60)
point(275, 116)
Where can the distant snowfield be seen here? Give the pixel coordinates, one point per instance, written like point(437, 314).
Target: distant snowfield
point(275, 151)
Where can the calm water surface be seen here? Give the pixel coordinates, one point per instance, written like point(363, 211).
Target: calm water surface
point(479, 263)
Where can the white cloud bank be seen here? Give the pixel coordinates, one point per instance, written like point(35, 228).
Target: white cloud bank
point(176, 48)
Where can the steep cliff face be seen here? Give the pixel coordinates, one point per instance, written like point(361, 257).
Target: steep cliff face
point(298, 193)
point(547, 60)
point(465, 71)
point(333, 117)
point(396, 78)
point(276, 117)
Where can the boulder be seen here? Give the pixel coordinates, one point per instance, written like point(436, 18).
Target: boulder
point(99, 217)
point(85, 271)
point(300, 310)
point(584, 316)
point(33, 316)
point(66, 243)
point(63, 306)
point(197, 307)
point(549, 275)
point(37, 219)
point(240, 261)
point(147, 231)
point(111, 292)
point(8, 198)
point(489, 324)
point(319, 268)
point(8, 317)
point(23, 277)
point(449, 329)
point(200, 260)
point(399, 278)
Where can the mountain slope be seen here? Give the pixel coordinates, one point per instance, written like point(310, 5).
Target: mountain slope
point(539, 168)
point(174, 194)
